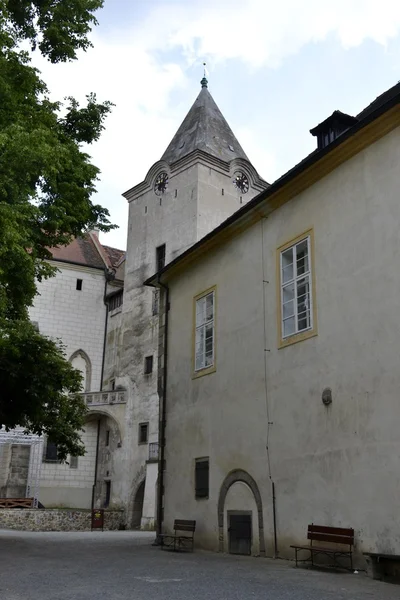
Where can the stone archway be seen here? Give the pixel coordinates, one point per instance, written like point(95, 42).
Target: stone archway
point(244, 477)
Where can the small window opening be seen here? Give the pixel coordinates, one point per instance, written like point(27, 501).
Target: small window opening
point(108, 494)
point(51, 452)
point(223, 191)
point(202, 477)
point(112, 384)
point(79, 284)
point(241, 199)
point(148, 365)
point(176, 193)
point(143, 433)
point(73, 462)
point(145, 210)
point(107, 437)
point(160, 257)
point(160, 201)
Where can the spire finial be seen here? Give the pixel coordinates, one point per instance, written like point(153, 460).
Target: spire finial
point(204, 81)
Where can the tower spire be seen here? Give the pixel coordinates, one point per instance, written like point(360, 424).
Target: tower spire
point(204, 81)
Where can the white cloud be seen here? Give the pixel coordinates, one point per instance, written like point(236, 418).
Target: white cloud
point(128, 66)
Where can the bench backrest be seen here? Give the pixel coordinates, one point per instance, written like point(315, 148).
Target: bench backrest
point(184, 525)
point(336, 535)
point(16, 502)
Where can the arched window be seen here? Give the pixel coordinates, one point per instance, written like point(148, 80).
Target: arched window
point(80, 361)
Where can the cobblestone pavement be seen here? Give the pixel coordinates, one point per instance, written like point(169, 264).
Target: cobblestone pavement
point(124, 565)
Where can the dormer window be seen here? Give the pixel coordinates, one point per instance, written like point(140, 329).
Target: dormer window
point(330, 129)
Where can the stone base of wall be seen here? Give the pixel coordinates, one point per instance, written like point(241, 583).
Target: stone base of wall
point(57, 519)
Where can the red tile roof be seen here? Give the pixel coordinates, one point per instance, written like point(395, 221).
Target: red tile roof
point(88, 252)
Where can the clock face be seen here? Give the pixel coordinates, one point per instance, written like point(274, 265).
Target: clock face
point(241, 182)
point(161, 183)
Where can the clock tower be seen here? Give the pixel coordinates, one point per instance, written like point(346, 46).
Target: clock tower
point(202, 178)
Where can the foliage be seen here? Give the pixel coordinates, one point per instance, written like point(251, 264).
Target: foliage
point(34, 379)
point(46, 185)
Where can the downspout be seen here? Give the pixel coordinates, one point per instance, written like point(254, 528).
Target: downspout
point(269, 422)
point(96, 463)
point(108, 276)
point(162, 423)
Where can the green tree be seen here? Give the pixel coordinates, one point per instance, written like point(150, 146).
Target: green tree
point(46, 185)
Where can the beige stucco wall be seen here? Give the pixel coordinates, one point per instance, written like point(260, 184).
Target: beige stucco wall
point(336, 465)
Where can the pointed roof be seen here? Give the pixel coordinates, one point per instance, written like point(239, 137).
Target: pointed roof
point(204, 128)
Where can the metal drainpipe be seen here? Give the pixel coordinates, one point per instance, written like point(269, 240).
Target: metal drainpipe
point(161, 435)
point(96, 463)
point(108, 276)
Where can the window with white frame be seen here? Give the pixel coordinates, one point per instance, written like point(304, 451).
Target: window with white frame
point(204, 350)
point(296, 288)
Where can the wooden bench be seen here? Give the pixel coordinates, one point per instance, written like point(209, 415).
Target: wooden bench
point(177, 541)
point(377, 561)
point(337, 536)
point(16, 502)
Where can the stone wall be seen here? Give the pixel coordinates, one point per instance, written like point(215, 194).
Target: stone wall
point(28, 519)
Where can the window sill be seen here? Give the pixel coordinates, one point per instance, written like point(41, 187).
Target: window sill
point(299, 337)
point(114, 312)
point(202, 497)
point(207, 371)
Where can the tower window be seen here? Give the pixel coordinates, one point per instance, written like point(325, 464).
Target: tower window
point(160, 257)
point(107, 437)
point(202, 477)
point(108, 494)
point(148, 365)
point(79, 284)
point(143, 433)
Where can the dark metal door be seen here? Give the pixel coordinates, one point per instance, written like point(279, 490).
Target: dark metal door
point(239, 534)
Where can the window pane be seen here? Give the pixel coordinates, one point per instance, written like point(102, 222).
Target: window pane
point(288, 293)
point(288, 309)
point(200, 311)
point(200, 348)
point(303, 304)
point(302, 257)
point(209, 307)
point(287, 265)
point(289, 326)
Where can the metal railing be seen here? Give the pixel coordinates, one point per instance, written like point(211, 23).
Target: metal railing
point(112, 397)
point(153, 451)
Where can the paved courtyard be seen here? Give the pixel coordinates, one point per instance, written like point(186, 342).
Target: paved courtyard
point(124, 565)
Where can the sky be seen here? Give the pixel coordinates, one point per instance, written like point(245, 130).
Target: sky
point(275, 69)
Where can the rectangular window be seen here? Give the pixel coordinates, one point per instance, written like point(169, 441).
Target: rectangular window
point(115, 301)
point(148, 365)
point(160, 257)
point(202, 477)
point(108, 494)
point(51, 454)
point(73, 462)
point(204, 331)
point(296, 289)
point(107, 437)
point(143, 433)
point(79, 284)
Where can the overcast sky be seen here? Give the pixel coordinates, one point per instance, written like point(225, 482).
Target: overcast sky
point(276, 69)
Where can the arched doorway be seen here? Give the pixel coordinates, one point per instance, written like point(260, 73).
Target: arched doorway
point(236, 476)
point(138, 506)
